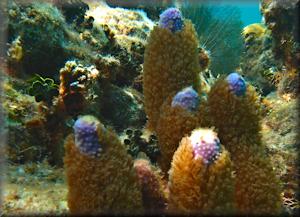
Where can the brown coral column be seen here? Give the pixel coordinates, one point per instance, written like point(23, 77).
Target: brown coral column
point(173, 124)
point(153, 194)
point(104, 184)
point(237, 119)
point(170, 64)
point(234, 116)
point(197, 188)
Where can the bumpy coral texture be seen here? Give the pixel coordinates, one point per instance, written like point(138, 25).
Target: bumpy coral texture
point(236, 84)
point(237, 119)
point(198, 188)
point(71, 95)
point(187, 98)
point(206, 145)
point(171, 63)
point(154, 198)
point(234, 116)
point(173, 124)
point(103, 184)
point(171, 19)
point(86, 136)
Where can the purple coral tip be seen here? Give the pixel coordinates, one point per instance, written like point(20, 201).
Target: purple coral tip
point(206, 145)
point(171, 19)
point(187, 98)
point(237, 84)
point(86, 136)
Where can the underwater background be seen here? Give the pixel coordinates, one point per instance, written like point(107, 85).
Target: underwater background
point(131, 107)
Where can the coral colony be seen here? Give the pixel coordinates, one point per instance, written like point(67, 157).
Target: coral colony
point(134, 119)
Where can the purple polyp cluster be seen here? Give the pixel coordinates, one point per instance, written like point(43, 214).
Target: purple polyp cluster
point(86, 137)
point(206, 145)
point(237, 84)
point(171, 19)
point(187, 98)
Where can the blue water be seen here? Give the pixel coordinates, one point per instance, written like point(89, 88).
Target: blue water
point(250, 12)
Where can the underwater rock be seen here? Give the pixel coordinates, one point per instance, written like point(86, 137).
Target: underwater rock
point(41, 30)
point(126, 31)
point(281, 18)
point(233, 171)
point(127, 25)
point(257, 62)
point(122, 108)
point(29, 139)
point(120, 66)
point(153, 8)
point(73, 11)
point(279, 131)
point(85, 90)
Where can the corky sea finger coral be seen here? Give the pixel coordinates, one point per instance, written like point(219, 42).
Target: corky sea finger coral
point(201, 179)
point(154, 197)
point(100, 174)
point(179, 116)
point(235, 112)
point(171, 63)
point(234, 109)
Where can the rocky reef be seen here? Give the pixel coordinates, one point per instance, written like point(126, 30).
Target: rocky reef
point(119, 111)
point(276, 43)
point(89, 72)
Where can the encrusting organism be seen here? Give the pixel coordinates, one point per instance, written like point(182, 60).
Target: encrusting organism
point(171, 19)
point(100, 175)
point(74, 79)
point(170, 63)
point(201, 178)
point(188, 99)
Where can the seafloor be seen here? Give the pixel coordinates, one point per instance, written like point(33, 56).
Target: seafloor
point(39, 186)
